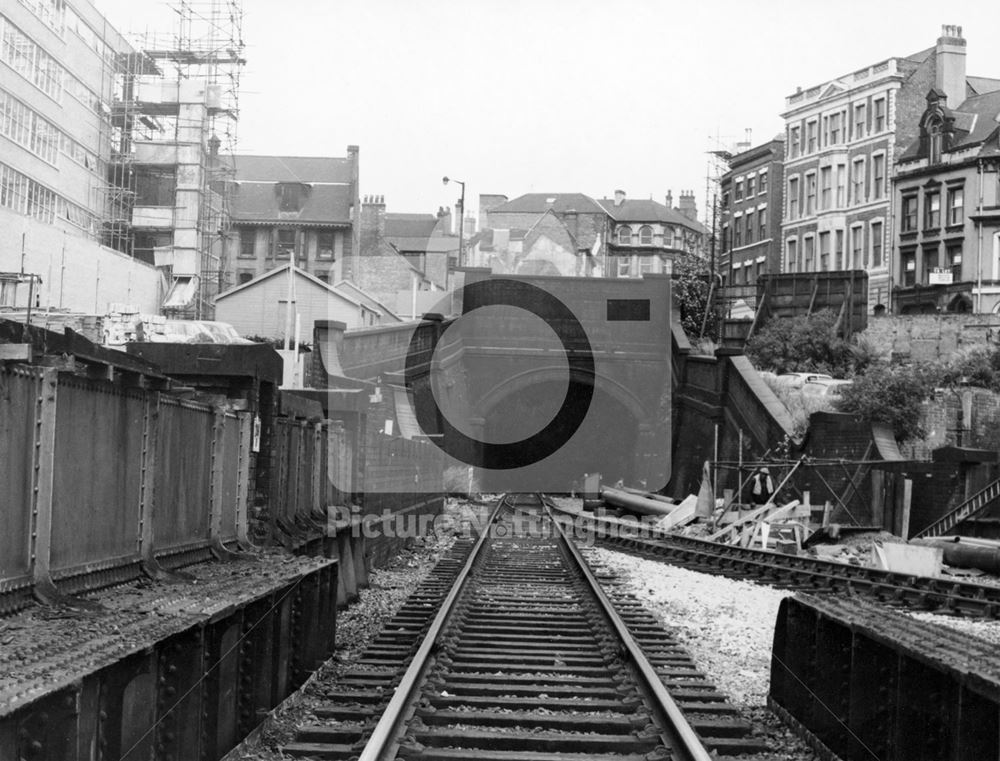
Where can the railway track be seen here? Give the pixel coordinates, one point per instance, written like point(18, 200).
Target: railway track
point(796, 572)
point(521, 656)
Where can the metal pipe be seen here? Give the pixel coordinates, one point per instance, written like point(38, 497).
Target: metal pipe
point(979, 241)
point(633, 502)
point(964, 554)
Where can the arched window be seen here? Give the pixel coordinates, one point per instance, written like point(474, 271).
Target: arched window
point(625, 234)
point(936, 141)
point(646, 235)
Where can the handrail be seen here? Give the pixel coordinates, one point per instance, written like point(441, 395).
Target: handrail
point(974, 504)
point(385, 731)
point(687, 740)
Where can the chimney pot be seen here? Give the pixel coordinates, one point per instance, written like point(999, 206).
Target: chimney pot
point(619, 197)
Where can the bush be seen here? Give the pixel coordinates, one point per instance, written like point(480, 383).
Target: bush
point(691, 288)
point(808, 344)
point(892, 395)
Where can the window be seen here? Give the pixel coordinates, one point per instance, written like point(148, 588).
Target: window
point(859, 120)
point(325, 245)
point(751, 182)
point(30, 61)
point(908, 219)
point(808, 253)
point(810, 194)
point(824, 252)
point(858, 181)
point(248, 240)
point(668, 236)
point(826, 191)
point(936, 141)
point(725, 238)
point(738, 190)
point(811, 136)
point(793, 198)
point(878, 175)
point(737, 232)
point(762, 184)
point(762, 224)
point(244, 276)
point(841, 185)
point(625, 235)
point(323, 275)
point(291, 196)
point(624, 266)
point(794, 141)
point(748, 221)
point(155, 186)
point(932, 210)
point(838, 250)
point(646, 235)
point(879, 114)
point(909, 265)
point(956, 204)
point(876, 238)
point(835, 128)
point(955, 261)
point(791, 255)
point(285, 243)
point(646, 265)
point(858, 248)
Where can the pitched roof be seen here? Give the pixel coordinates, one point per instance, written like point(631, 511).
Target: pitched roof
point(323, 204)
point(980, 114)
point(299, 273)
point(410, 225)
point(982, 85)
point(366, 298)
point(648, 210)
point(538, 203)
point(292, 168)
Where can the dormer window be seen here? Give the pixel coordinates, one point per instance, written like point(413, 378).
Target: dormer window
point(291, 196)
point(935, 141)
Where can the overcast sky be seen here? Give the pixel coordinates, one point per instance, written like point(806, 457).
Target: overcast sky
point(515, 96)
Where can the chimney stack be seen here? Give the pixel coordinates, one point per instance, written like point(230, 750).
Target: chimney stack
point(619, 197)
point(372, 223)
point(949, 64)
point(686, 205)
point(670, 200)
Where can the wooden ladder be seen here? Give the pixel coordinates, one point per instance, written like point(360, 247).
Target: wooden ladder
point(974, 504)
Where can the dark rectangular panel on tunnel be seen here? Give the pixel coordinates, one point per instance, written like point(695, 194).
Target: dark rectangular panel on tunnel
point(628, 310)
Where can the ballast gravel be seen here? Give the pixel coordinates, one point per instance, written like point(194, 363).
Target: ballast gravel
point(728, 627)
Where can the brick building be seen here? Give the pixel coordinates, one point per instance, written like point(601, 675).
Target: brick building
point(842, 139)
point(750, 210)
point(646, 235)
point(294, 209)
point(610, 237)
point(947, 193)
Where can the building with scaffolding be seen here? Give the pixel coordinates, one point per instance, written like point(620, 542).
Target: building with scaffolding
point(56, 93)
point(112, 189)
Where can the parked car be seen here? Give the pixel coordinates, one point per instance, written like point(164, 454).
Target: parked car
point(825, 386)
point(798, 380)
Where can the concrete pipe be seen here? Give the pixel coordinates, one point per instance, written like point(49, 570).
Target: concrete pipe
point(635, 503)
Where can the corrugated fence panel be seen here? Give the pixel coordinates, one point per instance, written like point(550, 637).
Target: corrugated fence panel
point(230, 476)
point(183, 476)
point(98, 463)
point(18, 390)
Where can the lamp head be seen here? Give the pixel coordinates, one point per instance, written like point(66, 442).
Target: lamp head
point(444, 180)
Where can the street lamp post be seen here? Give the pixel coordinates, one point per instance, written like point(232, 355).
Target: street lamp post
point(461, 221)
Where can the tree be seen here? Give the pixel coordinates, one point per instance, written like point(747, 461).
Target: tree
point(892, 395)
point(806, 344)
point(691, 280)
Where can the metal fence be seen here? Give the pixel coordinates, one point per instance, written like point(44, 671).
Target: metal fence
point(100, 479)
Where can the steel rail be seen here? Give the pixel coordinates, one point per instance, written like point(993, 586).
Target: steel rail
point(688, 746)
point(968, 597)
point(386, 730)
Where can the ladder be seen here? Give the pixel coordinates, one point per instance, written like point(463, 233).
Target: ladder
point(974, 504)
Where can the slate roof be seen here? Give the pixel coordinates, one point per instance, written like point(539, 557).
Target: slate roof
point(538, 203)
point(292, 168)
point(410, 225)
point(258, 202)
point(299, 273)
point(979, 114)
point(634, 210)
point(982, 85)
